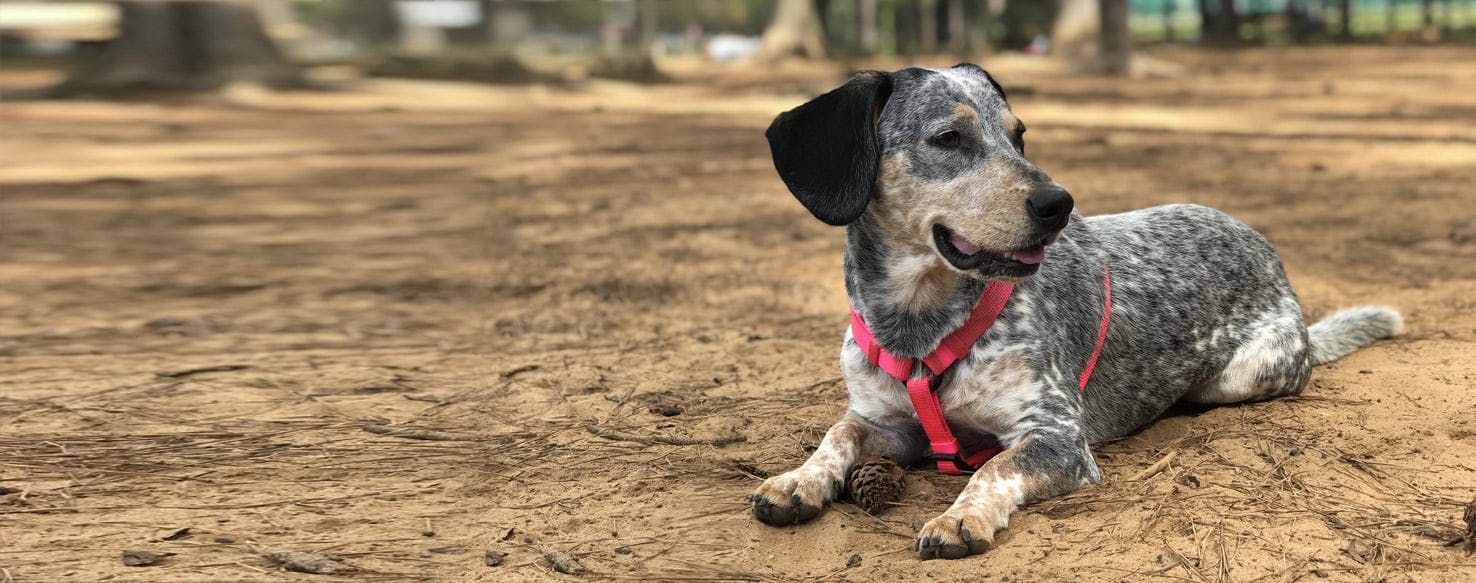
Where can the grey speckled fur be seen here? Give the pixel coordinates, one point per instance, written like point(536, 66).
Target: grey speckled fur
point(1201, 309)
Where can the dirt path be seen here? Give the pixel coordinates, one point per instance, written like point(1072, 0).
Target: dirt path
point(376, 324)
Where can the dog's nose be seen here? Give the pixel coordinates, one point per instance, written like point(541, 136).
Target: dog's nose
point(1050, 206)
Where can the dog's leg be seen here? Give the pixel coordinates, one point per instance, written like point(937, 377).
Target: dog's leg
point(800, 494)
point(1044, 464)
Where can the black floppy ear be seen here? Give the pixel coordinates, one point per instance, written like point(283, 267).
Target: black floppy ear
point(827, 149)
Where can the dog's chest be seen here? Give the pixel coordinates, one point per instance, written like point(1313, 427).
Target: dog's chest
point(990, 392)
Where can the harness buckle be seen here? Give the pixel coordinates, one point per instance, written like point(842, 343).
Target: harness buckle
point(956, 459)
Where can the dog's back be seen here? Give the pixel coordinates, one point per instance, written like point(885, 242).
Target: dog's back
point(1203, 312)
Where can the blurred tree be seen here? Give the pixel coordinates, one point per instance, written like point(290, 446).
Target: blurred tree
point(1076, 28)
point(173, 46)
point(1219, 22)
point(1114, 50)
point(794, 32)
point(958, 25)
point(870, 40)
point(1015, 25)
point(1345, 19)
point(927, 25)
point(1427, 15)
point(1095, 32)
point(504, 24)
point(886, 26)
point(1168, 18)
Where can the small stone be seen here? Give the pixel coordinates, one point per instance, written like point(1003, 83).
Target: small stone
point(143, 558)
point(622, 550)
point(854, 561)
point(563, 562)
point(666, 410)
point(225, 540)
point(493, 558)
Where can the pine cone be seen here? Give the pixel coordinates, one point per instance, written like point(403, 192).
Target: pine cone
point(875, 483)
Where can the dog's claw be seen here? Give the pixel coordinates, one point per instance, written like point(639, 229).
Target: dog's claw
point(770, 513)
point(801, 501)
point(975, 546)
point(775, 514)
point(948, 537)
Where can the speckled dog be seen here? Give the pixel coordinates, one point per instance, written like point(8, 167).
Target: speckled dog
point(927, 169)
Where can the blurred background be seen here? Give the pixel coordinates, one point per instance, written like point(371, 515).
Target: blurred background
point(650, 40)
point(431, 288)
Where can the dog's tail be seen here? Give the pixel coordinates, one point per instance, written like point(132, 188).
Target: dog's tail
point(1347, 330)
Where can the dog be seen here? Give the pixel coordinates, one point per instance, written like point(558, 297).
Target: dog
point(926, 168)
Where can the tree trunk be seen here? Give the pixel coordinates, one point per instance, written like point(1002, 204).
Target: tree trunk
point(182, 46)
point(1168, 19)
point(504, 24)
point(1115, 48)
point(646, 14)
point(958, 26)
point(870, 40)
point(1429, 32)
point(927, 30)
point(886, 25)
point(978, 25)
point(1345, 19)
point(794, 32)
point(1220, 27)
point(1077, 28)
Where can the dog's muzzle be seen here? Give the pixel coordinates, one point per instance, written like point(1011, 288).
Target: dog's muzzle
point(964, 255)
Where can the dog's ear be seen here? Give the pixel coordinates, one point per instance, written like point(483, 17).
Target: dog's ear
point(827, 149)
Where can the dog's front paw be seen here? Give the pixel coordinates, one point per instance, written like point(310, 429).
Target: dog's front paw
point(793, 497)
point(954, 536)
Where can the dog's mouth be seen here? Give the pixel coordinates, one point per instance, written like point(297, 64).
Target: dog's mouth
point(964, 255)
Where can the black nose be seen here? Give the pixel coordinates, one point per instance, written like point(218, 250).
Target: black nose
point(1050, 206)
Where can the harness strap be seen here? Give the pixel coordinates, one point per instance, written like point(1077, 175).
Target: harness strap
point(958, 344)
point(1086, 373)
point(946, 451)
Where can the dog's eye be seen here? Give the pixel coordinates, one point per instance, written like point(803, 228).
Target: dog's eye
point(948, 139)
point(1020, 139)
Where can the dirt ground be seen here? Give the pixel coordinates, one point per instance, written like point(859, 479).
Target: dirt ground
point(377, 324)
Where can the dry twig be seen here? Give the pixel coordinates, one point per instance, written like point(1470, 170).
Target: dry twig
point(663, 440)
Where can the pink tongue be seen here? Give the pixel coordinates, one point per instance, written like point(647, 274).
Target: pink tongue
point(1031, 256)
point(962, 244)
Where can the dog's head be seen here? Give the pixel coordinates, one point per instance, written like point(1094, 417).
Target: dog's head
point(938, 160)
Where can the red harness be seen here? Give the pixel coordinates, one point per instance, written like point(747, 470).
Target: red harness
point(921, 387)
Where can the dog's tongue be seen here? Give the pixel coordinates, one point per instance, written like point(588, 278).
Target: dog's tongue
point(963, 245)
point(1031, 256)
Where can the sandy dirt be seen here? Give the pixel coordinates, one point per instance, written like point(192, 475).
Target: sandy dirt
point(377, 324)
